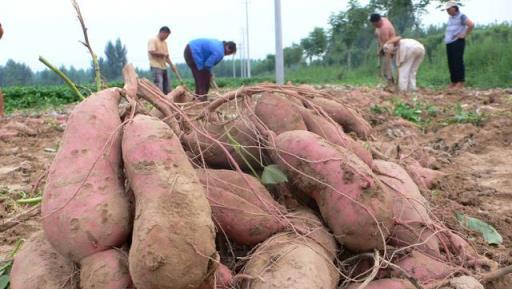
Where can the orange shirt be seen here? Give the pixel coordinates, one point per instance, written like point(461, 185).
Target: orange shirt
point(385, 32)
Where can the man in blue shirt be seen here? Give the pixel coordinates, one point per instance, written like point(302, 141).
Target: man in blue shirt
point(201, 55)
point(459, 26)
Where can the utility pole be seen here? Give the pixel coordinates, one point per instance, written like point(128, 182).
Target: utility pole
point(247, 38)
point(279, 43)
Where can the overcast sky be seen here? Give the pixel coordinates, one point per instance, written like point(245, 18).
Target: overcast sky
point(50, 28)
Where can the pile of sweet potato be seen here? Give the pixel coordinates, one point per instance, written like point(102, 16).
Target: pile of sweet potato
point(181, 201)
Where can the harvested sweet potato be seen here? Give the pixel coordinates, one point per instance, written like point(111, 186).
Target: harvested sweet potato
point(222, 279)
point(39, 266)
point(238, 131)
point(424, 268)
point(107, 269)
point(291, 261)
point(354, 203)
point(174, 236)
point(278, 113)
point(348, 118)
point(386, 284)
point(85, 209)
point(242, 207)
point(409, 210)
point(334, 133)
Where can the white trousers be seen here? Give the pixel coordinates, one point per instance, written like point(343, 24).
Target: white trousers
point(409, 67)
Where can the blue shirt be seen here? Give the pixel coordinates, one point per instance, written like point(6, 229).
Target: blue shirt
point(456, 26)
point(206, 52)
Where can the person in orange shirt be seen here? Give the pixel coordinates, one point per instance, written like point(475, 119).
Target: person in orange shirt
point(384, 31)
point(159, 59)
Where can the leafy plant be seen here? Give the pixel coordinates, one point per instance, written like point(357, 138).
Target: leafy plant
point(463, 116)
point(6, 266)
point(489, 233)
point(408, 112)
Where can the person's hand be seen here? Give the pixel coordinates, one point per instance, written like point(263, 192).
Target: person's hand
point(462, 35)
point(173, 67)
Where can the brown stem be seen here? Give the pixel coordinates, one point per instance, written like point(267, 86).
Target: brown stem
point(23, 216)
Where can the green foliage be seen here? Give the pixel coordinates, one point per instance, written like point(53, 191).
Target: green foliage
point(112, 66)
point(463, 116)
point(489, 233)
point(417, 112)
point(272, 175)
point(6, 266)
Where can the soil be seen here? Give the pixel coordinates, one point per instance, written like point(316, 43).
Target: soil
point(476, 158)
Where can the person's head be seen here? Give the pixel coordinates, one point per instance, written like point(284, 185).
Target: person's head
point(452, 8)
point(164, 33)
point(229, 47)
point(376, 20)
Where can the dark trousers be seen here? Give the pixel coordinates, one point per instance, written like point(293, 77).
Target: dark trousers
point(455, 51)
point(161, 79)
point(201, 77)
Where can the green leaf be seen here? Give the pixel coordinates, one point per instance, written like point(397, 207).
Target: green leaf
point(490, 234)
point(272, 175)
point(4, 281)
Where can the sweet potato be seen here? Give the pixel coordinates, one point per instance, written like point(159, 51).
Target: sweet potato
point(239, 130)
point(409, 209)
point(173, 236)
point(278, 113)
point(423, 177)
point(39, 266)
point(85, 209)
point(222, 279)
point(107, 269)
point(386, 284)
point(334, 133)
point(291, 261)
point(353, 202)
point(424, 268)
point(348, 118)
point(241, 206)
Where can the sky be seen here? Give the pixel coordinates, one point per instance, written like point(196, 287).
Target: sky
point(49, 27)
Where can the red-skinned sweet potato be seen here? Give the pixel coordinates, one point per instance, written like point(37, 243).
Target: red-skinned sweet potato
point(85, 209)
point(239, 130)
point(107, 269)
point(409, 210)
point(278, 113)
point(334, 133)
point(241, 206)
point(174, 236)
point(424, 268)
point(353, 202)
point(386, 284)
point(222, 279)
point(291, 261)
point(348, 118)
point(38, 266)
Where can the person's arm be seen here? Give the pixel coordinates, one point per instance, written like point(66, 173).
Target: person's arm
point(168, 60)
point(214, 58)
point(469, 27)
point(394, 40)
point(1, 31)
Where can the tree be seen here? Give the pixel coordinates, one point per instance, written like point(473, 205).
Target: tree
point(315, 44)
point(14, 73)
point(115, 60)
point(293, 55)
point(349, 25)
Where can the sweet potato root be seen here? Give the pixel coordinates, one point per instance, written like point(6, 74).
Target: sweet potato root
point(222, 279)
point(424, 268)
point(107, 269)
point(334, 133)
point(349, 119)
point(240, 131)
point(353, 202)
point(174, 236)
point(386, 284)
point(38, 266)
point(278, 113)
point(241, 206)
point(85, 209)
point(409, 210)
point(290, 261)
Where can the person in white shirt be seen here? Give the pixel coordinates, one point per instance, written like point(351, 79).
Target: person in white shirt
point(409, 55)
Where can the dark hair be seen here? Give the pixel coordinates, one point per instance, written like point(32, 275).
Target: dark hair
point(230, 45)
point(165, 29)
point(375, 17)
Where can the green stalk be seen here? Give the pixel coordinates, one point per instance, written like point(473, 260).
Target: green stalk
point(31, 201)
point(68, 81)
